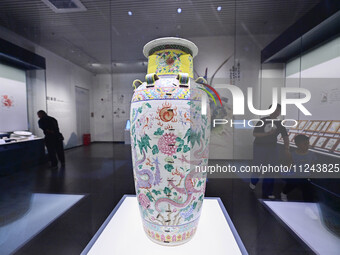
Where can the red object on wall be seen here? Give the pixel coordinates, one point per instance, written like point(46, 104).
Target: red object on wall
point(86, 139)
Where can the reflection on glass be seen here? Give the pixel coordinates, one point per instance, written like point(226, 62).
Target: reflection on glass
point(24, 214)
point(328, 193)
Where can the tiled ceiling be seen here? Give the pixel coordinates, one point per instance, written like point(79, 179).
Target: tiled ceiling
point(106, 34)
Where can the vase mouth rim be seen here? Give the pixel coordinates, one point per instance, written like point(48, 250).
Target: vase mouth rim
point(167, 42)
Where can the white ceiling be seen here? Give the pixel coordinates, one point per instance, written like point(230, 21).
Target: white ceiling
point(105, 33)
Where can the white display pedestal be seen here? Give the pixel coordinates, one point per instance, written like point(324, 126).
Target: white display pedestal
point(122, 233)
point(304, 220)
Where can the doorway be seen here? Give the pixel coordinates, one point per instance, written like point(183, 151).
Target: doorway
point(83, 113)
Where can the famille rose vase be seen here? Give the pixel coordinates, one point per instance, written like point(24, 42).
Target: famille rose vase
point(170, 129)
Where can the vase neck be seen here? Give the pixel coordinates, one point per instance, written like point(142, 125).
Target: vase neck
point(170, 61)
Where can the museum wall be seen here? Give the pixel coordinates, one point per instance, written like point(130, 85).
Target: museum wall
point(317, 71)
point(111, 97)
point(62, 77)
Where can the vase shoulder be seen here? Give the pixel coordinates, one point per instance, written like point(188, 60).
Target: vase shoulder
point(168, 88)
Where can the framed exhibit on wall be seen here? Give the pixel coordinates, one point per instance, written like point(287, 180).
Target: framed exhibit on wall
point(314, 126)
point(320, 142)
point(322, 123)
point(302, 124)
point(307, 127)
point(324, 128)
point(337, 148)
point(312, 140)
point(333, 127)
point(13, 99)
point(291, 137)
point(331, 143)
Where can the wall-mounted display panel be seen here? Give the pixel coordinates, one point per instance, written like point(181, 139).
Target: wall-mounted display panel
point(13, 99)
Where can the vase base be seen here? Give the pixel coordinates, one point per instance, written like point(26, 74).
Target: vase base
point(167, 239)
point(169, 243)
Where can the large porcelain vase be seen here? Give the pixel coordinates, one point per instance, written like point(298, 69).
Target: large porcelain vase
point(170, 128)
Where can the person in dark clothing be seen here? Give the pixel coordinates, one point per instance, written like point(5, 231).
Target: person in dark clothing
point(265, 149)
point(300, 157)
point(53, 138)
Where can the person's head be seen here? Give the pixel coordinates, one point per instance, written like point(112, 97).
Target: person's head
point(277, 111)
point(302, 142)
point(41, 114)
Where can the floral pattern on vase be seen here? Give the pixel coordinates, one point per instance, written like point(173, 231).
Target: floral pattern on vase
point(169, 138)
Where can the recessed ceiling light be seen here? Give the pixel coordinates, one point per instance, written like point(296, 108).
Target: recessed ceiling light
point(130, 13)
point(179, 10)
point(95, 64)
point(219, 8)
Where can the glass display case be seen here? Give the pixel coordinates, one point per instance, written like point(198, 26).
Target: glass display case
point(81, 60)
